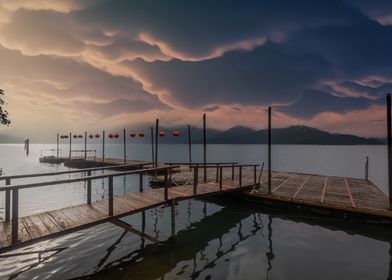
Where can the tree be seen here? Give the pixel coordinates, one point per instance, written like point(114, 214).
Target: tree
point(3, 113)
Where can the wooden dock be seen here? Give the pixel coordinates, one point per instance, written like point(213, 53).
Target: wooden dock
point(21, 231)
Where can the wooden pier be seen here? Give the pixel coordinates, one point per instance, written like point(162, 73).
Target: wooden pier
point(20, 231)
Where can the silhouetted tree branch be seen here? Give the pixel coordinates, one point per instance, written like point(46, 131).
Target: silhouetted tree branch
point(3, 113)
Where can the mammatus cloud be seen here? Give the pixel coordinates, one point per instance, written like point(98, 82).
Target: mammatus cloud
point(122, 63)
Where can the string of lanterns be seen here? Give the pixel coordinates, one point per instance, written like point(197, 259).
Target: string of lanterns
point(175, 133)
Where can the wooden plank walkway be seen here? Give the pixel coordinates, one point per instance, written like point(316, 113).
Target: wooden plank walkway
point(53, 223)
point(336, 193)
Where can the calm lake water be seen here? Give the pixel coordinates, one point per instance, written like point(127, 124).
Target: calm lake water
point(216, 239)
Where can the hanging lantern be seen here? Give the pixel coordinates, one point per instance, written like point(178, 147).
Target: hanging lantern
point(116, 135)
point(97, 135)
point(111, 135)
point(132, 134)
point(141, 134)
point(75, 136)
point(80, 136)
point(61, 136)
point(65, 136)
point(162, 134)
point(176, 133)
point(91, 136)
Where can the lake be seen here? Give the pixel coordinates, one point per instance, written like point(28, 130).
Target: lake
point(216, 238)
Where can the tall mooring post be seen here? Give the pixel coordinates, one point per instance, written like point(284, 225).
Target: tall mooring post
point(152, 144)
point(389, 140)
point(204, 148)
point(125, 145)
point(57, 145)
point(85, 145)
point(156, 141)
point(70, 145)
point(269, 150)
point(190, 146)
point(103, 146)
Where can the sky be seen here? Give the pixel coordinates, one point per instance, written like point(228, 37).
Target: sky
point(81, 65)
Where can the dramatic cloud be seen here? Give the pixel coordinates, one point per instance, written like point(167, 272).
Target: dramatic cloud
point(122, 63)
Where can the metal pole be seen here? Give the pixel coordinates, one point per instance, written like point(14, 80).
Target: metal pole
point(156, 141)
point(269, 150)
point(70, 145)
point(204, 148)
point(125, 146)
point(58, 139)
point(111, 196)
point(389, 139)
point(89, 188)
point(189, 146)
point(85, 145)
point(152, 144)
point(103, 146)
point(367, 169)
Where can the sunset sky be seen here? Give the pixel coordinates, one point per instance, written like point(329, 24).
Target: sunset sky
point(99, 64)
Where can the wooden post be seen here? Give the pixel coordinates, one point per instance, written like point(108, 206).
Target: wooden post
point(8, 201)
point(269, 150)
point(204, 148)
point(367, 169)
point(111, 196)
point(173, 218)
point(70, 145)
point(195, 178)
point(255, 174)
point(189, 146)
point(89, 188)
point(220, 177)
point(143, 221)
point(15, 216)
point(217, 173)
point(232, 171)
point(166, 185)
point(156, 141)
point(103, 146)
point(141, 182)
point(57, 144)
point(389, 140)
point(152, 144)
point(125, 146)
point(85, 145)
point(240, 175)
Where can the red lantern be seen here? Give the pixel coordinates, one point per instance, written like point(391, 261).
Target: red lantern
point(80, 136)
point(91, 136)
point(141, 134)
point(111, 135)
point(116, 135)
point(132, 134)
point(97, 135)
point(162, 134)
point(65, 136)
point(75, 136)
point(176, 133)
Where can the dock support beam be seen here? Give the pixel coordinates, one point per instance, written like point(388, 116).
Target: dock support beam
point(7, 201)
point(110, 196)
point(204, 148)
point(269, 150)
point(103, 146)
point(173, 218)
point(85, 145)
point(156, 141)
point(152, 145)
point(89, 188)
point(189, 146)
point(367, 169)
point(389, 140)
point(125, 146)
point(195, 178)
point(15, 216)
point(57, 145)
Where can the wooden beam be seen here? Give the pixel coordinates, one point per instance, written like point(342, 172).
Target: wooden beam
point(130, 228)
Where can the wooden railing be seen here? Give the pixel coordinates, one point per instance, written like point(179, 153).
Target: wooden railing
point(219, 173)
point(15, 188)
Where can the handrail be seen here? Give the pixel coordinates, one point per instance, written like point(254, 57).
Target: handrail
point(72, 171)
point(81, 179)
point(223, 165)
point(200, 163)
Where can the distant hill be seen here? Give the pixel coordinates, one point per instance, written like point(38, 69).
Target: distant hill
point(298, 134)
point(4, 139)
